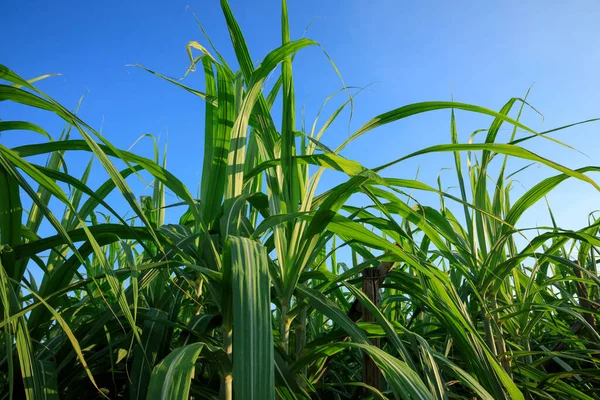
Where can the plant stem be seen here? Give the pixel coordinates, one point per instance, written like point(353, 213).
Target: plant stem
point(285, 327)
point(300, 340)
point(226, 380)
point(499, 338)
point(487, 327)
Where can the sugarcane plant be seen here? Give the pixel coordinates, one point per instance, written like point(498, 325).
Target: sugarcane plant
point(264, 287)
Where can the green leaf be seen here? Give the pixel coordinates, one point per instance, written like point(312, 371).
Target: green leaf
point(327, 307)
point(11, 211)
point(145, 356)
point(22, 126)
point(405, 383)
point(172, 377)
point(253, 369)
point(49, 379)
point(418, 108)
point(500, 148)
point(385, 324)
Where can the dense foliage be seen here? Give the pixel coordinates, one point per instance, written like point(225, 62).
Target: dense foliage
point(245, 296)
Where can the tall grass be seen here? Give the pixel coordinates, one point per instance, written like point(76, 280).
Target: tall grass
point(247, 296)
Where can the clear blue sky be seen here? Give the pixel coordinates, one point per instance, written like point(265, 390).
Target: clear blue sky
point(478, 52)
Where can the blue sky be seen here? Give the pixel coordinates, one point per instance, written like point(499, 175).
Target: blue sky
point(475, 52)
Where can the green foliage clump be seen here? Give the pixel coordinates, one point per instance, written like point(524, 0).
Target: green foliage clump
point(246, 297)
